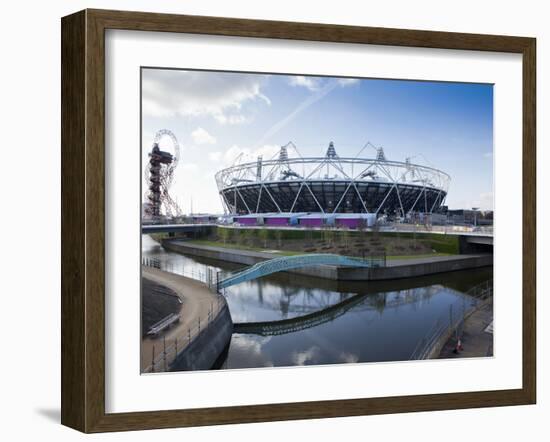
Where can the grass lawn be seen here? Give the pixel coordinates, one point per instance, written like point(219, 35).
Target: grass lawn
point(202, 242)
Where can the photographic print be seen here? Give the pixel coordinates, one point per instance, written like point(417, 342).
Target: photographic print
point(292, 220)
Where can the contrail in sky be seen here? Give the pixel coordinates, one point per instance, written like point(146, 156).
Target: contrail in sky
point(300, 108)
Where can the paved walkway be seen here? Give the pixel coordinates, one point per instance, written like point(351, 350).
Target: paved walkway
point(428, 259)
point(477, 336)
point(197, 301)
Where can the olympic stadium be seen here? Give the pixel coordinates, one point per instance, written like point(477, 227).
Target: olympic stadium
point(331, 185)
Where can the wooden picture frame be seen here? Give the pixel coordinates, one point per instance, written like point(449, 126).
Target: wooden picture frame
point(83, 219)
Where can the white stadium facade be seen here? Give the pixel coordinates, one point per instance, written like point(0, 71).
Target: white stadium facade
point(331, 184)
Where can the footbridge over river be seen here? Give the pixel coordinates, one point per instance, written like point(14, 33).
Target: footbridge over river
point(284, 263)
point(177, 228)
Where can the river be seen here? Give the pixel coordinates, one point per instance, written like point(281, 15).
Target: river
point(384, 323)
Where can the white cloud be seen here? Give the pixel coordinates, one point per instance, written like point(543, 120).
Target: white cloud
point(311, 99)
point(486, 201)
point(215, 156)
point(231, 119)
point(347, 81)
point(348, 357)
point(169, 93)
point(252, 347)
point(310, 83)
point(309, 355)
point(246, 154)
point(201, 136)
point(314, 84)
point(320, 89)
point(188, 167)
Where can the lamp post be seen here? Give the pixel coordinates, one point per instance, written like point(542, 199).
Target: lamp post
point(475, 209)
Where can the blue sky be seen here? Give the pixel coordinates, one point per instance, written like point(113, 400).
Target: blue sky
point(218, 115)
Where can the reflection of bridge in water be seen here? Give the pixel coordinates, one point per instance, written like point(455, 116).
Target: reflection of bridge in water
point(365, 302)
point(304, 302)
point(284, 263)
point(298, 301)
point(290, 301)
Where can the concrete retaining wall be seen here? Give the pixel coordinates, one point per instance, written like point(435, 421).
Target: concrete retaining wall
point(415, 269)
point(245, 257)
point(205, 349)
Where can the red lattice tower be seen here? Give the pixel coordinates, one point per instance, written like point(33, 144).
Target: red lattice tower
point(159, 174)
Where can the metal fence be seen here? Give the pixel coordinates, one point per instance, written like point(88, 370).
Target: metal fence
point(209, 276)
point(444, 328)
point(164, 352)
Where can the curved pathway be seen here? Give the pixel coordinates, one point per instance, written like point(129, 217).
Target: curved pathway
point(197, 300)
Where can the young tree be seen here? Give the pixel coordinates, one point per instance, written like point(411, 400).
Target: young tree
point(264, 236)
point(376, 231)
point(362, 225)
point(236, 236)
point(249, 235)
point(308, 238)
point(279, 237)
point(224, 234)
point(329, 236)
point(344, 236)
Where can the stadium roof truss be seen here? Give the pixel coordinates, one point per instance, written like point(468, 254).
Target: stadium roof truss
point(331, 184)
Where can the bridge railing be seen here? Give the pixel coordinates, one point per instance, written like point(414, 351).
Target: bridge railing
point(375, 260)
point(284, 263)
